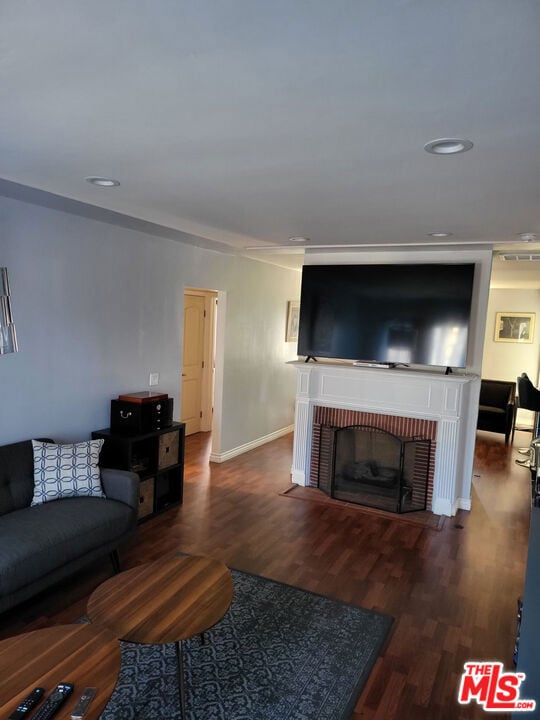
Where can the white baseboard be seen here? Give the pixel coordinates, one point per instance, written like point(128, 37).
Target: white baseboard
point(298, 477)
point(463, 504)
point(443, 506)
point(228, 454)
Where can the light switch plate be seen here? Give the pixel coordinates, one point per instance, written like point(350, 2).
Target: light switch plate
point(153, 379)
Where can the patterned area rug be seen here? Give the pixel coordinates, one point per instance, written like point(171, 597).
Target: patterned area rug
point(280, 653)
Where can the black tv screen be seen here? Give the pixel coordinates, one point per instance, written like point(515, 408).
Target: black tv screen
point(397, 314)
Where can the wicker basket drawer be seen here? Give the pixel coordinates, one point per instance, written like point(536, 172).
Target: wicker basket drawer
point(146, 497)
point(168, 449)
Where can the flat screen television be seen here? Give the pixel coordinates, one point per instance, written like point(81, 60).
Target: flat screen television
point(387, 314)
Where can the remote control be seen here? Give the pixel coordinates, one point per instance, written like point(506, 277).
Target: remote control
point(84, 701)
point(54, 702)
point(29, 702)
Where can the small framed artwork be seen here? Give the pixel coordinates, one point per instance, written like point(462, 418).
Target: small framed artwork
point(516, 327)
point(293, 316)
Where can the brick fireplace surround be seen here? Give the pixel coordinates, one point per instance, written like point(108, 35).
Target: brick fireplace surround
point(400, 426)
point(403, 401)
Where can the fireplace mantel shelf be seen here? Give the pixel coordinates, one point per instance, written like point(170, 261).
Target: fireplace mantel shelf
point(458, 374)
point(406, 392)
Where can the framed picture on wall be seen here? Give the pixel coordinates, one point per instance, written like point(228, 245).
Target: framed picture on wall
point(293, 315)
point(516, 327)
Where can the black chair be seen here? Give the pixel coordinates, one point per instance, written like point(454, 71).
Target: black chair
point(529, 399)
point(497, 408)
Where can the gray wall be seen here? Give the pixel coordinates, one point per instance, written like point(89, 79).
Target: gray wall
point(97, 307)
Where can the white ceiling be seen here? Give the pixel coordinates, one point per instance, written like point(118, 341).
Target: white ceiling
point(247, 122)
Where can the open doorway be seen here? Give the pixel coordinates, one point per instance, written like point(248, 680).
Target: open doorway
point(512, 294)
point(199, 360)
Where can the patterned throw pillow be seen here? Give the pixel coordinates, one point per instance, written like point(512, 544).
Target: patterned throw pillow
point(62, 471)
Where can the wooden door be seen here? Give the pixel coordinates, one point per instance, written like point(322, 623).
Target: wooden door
point(193, 362)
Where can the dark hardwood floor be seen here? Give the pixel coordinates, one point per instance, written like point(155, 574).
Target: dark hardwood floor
point(452, 591)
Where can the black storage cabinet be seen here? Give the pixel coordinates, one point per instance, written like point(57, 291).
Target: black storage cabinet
point(158, 459)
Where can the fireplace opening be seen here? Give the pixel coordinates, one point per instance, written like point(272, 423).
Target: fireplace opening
point(370, 466)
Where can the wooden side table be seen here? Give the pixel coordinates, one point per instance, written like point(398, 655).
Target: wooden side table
point(166, 601)
point(85, 655)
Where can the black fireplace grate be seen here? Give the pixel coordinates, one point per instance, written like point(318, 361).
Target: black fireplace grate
point(370, 466)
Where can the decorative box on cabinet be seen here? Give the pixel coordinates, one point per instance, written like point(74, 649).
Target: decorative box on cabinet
point(168, 449)
point(158, 459)
point(146, 498)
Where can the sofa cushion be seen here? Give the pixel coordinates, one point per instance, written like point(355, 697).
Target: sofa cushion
point(16, 476)
point(36, 540)
point(70, 470)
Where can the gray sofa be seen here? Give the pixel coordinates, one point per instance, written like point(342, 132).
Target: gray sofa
point(43, 544)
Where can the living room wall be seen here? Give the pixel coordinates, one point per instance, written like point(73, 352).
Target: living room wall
point(98, 307)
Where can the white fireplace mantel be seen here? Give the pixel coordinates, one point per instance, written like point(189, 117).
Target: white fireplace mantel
point(450, 400)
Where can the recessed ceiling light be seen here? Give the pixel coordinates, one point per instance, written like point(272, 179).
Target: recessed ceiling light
point(102, 181)
point(440, 234)
point(527, 236)
point(298, 239)
point(447, 146)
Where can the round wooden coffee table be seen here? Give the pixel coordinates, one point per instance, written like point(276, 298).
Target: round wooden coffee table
point(166, 601)
point(85, 655)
